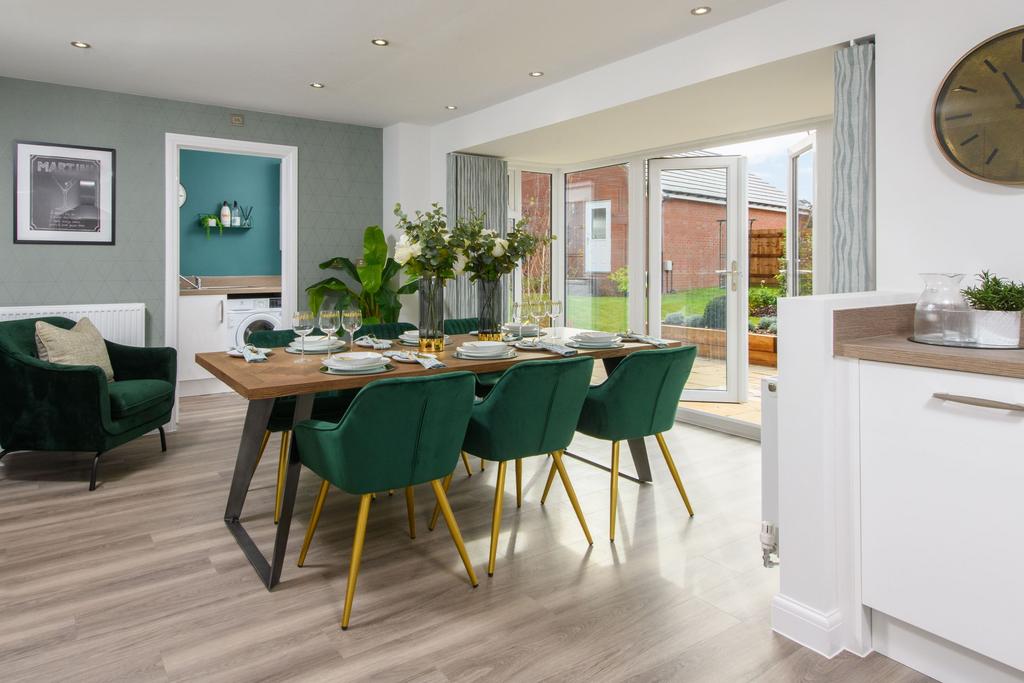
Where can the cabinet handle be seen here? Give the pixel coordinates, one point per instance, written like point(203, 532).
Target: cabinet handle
point(222, 310)
point(980, 402)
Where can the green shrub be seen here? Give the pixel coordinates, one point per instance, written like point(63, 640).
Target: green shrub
point(715, 313)
point(621, 279)
point(763, 301)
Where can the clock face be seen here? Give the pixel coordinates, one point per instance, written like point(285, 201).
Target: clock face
point(182, 195)
point(979, 111)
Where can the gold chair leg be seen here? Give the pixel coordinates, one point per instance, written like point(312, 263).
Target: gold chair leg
point(437, 507)
point(481, 464)
point(465, 462)
point(557, 455)
point(357, 555)
point(519, 483)
point(410, 506)
point(282, 469)
point(675, 473)
point(263, 447)
point(499, 492)
point(615, 489)
point(547, 485)
point(314, 519)
point(453, 529)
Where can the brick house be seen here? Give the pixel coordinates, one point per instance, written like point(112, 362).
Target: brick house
point(694, 209)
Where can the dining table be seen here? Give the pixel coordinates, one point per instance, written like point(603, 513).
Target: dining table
point(279, 376)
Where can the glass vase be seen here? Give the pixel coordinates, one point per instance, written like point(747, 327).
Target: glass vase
point(431, 314)
point(489, 311)
point(941, 314)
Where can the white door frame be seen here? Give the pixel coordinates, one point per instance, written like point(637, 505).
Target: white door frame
point(289, 203)
point(515, 212)
point(737, 231)
point(802, 146)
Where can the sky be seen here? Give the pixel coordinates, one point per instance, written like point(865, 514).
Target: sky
point(769, 158)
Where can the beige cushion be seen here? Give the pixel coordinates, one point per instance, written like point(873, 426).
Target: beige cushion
point(81, 345)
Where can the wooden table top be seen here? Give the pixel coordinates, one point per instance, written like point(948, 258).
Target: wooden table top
point(281, 376)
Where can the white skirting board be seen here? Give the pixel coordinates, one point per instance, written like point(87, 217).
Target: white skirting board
point(119, 323)
point(201, 387)
point(809, 627)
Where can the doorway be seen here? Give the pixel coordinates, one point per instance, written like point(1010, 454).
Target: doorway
point(287, 158)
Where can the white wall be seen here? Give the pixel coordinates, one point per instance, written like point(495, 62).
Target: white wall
point(930, 216)
point(407, 182)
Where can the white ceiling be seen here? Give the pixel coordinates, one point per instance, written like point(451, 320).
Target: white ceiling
point(261, 54)
point(768, 97)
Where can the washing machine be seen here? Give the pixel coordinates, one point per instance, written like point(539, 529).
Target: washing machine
point(245, 316)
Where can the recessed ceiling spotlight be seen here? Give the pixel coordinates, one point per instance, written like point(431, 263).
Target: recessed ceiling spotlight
point(450, 107)
point(317, 85)
point(700, 11)
point(536, 74)
point(80, 44)
point(380, 42)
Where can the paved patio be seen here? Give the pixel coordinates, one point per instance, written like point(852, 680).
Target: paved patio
point(710, 374)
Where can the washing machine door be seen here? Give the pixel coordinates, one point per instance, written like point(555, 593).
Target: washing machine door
point(255, 323)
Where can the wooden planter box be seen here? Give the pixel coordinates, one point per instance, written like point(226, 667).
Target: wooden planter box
point(761, 348)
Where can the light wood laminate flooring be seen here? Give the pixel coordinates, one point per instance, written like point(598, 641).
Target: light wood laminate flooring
point(140, 580)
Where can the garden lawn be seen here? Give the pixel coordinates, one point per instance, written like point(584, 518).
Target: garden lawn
point(608, 313)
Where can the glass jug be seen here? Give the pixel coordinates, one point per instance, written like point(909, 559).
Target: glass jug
point(941, 314)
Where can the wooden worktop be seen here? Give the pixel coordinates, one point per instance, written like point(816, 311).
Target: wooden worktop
point(216, 285)
point(880, 334)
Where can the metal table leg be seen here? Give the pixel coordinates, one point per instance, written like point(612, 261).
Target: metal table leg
point(256, 418)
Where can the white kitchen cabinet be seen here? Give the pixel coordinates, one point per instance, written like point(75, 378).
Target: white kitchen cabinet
point(202, 326)
point(942, 505)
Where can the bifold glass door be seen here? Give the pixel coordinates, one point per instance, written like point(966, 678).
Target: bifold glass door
point(697, 282)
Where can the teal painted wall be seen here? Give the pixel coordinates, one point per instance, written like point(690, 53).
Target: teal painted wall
point(210, 178)
point(340, 190)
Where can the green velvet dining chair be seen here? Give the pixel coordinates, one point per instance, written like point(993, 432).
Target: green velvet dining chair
point(639, 399)
point(376, 447)
point(485, 381)
point(532, 410)
point(329, 405)
point(461, 325)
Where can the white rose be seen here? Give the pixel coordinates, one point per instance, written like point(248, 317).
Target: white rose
point(500, 245)
point(405, 251)
point(460, 263)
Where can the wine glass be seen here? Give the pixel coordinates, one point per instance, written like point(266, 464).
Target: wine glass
point(302, 324)
point(554, 310)
point(533, 312)
point(351, 320)
point(330, 322)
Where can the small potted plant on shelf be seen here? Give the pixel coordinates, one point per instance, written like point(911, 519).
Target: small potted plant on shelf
point(209, 221)
point(996, 305)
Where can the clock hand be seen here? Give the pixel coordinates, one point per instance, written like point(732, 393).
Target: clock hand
point(1016, 91)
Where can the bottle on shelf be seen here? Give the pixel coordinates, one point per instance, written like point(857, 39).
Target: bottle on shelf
point(225, 213)
point(236, 216)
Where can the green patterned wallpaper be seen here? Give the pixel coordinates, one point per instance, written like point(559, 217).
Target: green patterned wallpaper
point(340, 190)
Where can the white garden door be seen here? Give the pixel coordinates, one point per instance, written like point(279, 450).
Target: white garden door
point(697, 268)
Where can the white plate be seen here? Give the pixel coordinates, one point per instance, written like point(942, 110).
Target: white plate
point(404, 357)
point(313, 337)
point(309, 351)
point(504, 356)
point(470, 353)
point(484, 345)
point(369, 345)
point(595, 336)
point(361, 371)
point(235, 353)
point(527, 346)
point(577, 345)
point(354, 360)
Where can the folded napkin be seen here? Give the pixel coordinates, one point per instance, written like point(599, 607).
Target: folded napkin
point(654, 341)
point(251, 354)
point(557, 348)
point(378, 344)
point(428, 362)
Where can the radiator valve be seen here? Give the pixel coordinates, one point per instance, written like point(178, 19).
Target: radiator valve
point(769, 544)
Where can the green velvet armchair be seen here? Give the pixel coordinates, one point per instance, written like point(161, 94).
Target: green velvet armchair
point(50, 407)
point(639, 398)
point(398, 433)
point(328, 405)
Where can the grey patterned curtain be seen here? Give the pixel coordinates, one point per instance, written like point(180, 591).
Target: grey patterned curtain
point(475, 184)
point(853, 171)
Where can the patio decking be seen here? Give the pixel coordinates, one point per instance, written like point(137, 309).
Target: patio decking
point(710, 374)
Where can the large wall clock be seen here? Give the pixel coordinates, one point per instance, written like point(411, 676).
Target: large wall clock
point(979, 110)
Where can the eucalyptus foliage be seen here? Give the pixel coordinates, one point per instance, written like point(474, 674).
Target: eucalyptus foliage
point(484, 255)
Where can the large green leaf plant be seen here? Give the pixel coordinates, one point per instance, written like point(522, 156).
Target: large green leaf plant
point(371, 287)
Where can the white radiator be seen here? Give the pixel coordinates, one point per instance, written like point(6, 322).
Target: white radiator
point(119, 323)
point(769, 469)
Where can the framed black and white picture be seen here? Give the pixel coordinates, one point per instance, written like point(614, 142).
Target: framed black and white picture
point(63, 194)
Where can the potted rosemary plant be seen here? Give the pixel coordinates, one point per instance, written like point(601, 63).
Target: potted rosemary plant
point(996, 305)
